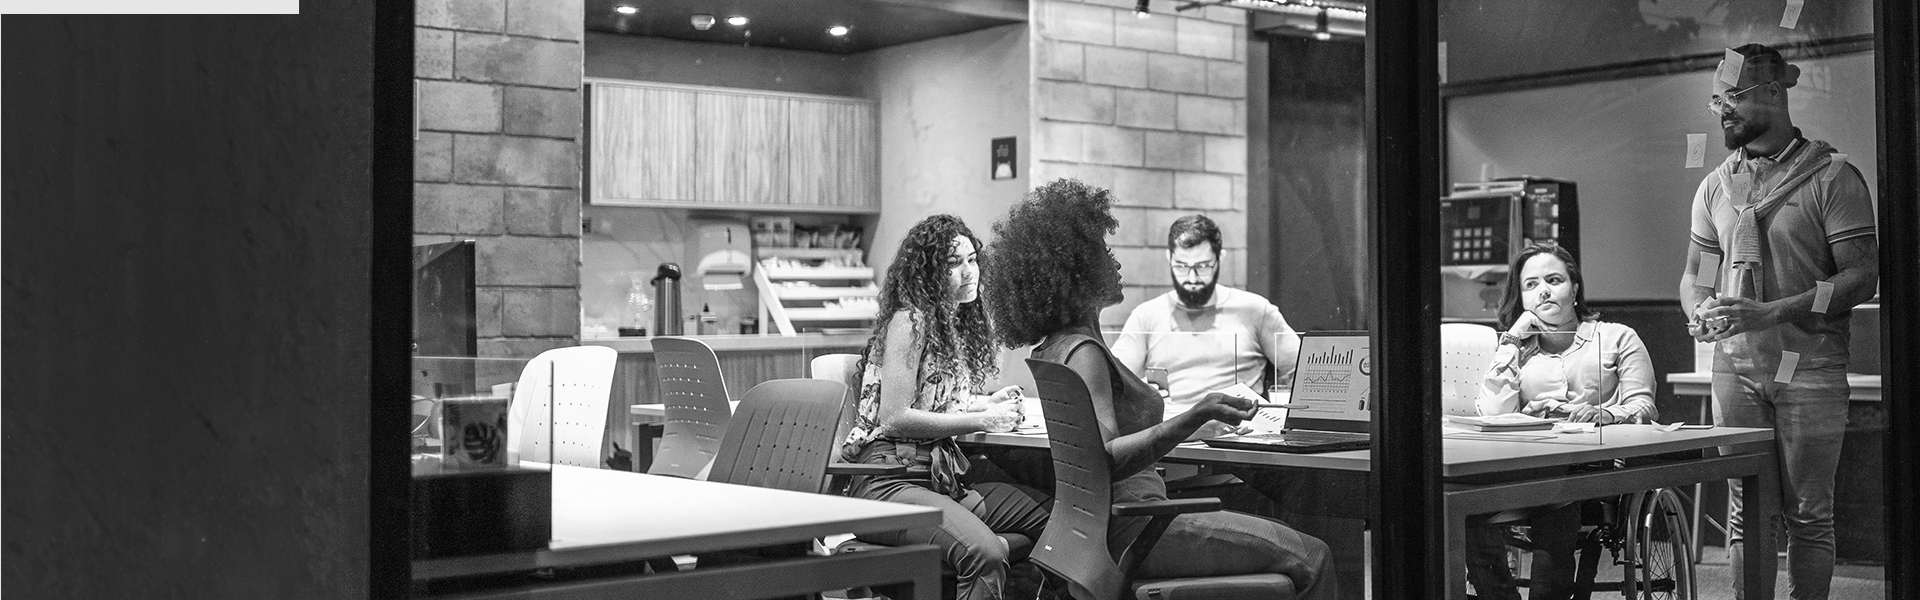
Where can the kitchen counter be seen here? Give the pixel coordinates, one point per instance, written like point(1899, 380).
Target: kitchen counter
point(738, 343)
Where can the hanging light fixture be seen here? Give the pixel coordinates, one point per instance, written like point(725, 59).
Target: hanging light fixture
point(1140, 9)
point(1320, 27)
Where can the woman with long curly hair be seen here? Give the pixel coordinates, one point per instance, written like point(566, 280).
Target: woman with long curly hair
point(1049, 276)
point(930, 352)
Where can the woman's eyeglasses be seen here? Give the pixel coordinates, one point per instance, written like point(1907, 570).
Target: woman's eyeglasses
point(1719, 104)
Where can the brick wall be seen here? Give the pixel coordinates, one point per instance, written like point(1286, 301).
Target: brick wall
point(1154, 109)
point(498, 159)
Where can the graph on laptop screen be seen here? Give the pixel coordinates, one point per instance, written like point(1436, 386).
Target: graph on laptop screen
point(1333, 378)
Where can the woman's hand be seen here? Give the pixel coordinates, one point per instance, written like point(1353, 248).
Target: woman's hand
point(1588, 413)
point(1225, 408)
point(1526, 326)
point(1000, 418)
point(1005, 394)
point(1542, 408)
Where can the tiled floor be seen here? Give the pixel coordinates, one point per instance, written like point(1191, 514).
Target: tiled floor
point(1850, 582)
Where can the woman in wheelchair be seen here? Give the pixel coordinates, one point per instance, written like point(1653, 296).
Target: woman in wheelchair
point(1556, 359)
point(1050, 274)
point(930, 350)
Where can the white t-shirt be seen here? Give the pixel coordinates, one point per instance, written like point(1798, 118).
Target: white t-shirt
point(1230, 340)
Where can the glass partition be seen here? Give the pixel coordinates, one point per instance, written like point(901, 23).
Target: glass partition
point(1697, 185)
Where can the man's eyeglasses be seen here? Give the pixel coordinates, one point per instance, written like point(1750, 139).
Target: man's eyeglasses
point(1199, 270)
point(1719, 104)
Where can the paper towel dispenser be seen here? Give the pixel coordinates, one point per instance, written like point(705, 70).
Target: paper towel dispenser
point(724, 256)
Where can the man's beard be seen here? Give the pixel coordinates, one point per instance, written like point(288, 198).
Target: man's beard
point(1199, 297)
point(1743, 132)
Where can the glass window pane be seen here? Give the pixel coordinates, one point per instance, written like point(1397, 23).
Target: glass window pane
point(1691, 160)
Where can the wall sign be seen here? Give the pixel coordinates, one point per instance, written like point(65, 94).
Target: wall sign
point(1003, 157)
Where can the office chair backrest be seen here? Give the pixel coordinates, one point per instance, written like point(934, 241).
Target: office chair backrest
point(782, 436)
point(1074, 545)
point(560, 404)
point(841, 368)
point(1465, 350)
point(697, 410)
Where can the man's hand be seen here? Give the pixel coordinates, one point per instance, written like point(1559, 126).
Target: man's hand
point(1727, 317)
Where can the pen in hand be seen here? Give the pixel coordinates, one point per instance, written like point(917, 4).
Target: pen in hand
point(1280, 405)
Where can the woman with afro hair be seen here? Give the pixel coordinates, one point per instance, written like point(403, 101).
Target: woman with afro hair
point(930, 352)
point(1050, 275)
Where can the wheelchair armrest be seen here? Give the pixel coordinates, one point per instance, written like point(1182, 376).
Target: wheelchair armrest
point(1154, 508)
point(864, 469)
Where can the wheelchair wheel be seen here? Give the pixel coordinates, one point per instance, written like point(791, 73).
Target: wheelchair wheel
point(1659, 553)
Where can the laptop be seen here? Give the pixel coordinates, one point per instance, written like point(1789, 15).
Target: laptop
point(1332, 382)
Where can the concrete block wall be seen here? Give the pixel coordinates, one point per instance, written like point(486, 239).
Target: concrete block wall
point(498, 159)
point(1154, 109)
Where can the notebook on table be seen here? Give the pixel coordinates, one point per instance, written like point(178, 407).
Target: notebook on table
point(1332, 381)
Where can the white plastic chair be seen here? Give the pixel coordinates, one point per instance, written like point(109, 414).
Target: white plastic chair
point(1465, 350)
point(559, 412)
point(694, 393)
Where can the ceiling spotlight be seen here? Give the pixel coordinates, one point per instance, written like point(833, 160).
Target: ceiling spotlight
point(1320, 27)
point(1140, 9)
point(702, 22)
point(625, 10)
point(737, 21)
point(837, 30)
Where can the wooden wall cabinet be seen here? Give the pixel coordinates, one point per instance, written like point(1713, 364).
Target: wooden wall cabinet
point(660, 145)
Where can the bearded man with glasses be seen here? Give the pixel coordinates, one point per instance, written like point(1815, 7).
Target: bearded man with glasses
point(1246, 324)
point(1784, 247)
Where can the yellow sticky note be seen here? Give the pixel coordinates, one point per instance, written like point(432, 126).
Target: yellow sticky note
point(1836, 163)
point(1730, 68)
point(1739, 188)
point(1822, 296)
point(1696, 150)
point(1789, 360)
point(1791, 19)
point(1709, 274)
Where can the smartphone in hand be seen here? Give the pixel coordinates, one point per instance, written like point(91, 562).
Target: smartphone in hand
point(1157, 376)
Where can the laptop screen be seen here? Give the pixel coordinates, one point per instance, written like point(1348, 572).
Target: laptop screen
point(1333, 380)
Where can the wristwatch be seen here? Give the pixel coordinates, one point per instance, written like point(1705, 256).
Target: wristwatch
point(1509, 338)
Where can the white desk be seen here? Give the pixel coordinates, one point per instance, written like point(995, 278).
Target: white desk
point(603, 516)
point(1483, 476)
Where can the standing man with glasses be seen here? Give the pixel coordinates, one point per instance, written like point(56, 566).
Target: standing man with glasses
point(1197, 364)
point(1783, 248)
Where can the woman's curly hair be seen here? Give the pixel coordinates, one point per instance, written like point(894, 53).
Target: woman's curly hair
point(956, 340)
point(1049, 265)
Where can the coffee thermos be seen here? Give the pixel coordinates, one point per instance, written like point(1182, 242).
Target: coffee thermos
point(666, 291)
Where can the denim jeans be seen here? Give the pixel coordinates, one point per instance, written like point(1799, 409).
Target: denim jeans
point(1553, 535)
point(1809, 419)
point(966, 534)
point(1231, 543)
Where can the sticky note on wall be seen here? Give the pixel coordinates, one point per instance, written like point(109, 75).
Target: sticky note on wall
point(1791, 19)
point(1730, 68)
point(1708, 274)
point(1696, 150)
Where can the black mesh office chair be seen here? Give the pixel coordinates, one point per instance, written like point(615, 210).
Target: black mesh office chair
point(1074, 546)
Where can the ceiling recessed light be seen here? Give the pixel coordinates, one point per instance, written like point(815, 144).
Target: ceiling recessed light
point(837, 30)
point(625, 10)
point(737, 21)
